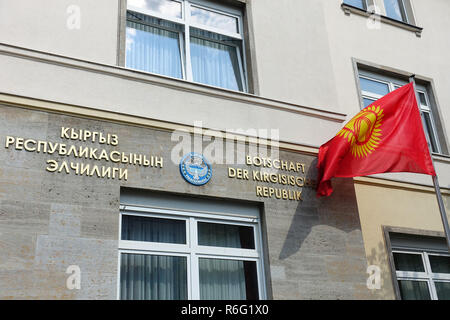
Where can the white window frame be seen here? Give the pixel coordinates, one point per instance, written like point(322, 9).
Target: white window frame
point(403, 8)
point(379, 7)
point(394, 84)
point(365, 5)
point(191, 250)
point(427, 109)
point(371, 95)
point(428, 275)
point(186, 23)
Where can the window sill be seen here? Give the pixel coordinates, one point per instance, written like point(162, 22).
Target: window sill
point(441, 157)
point(348, 9)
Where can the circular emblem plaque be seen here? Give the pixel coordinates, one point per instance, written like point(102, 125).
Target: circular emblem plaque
point(195, 169)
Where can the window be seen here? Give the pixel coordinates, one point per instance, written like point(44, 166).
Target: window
point(395, 9)
point(193, 40)
point(399, 13)
point(420, 265)
point(357, 3)
point(171, 254)
point(374, 86)
point(422, 275)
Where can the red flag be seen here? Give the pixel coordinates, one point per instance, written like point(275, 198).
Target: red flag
point(387, 136)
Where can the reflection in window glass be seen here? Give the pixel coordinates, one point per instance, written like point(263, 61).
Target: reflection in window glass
point(150, 277)
point(215, 64)
point(153, 21)
point(137, 228)
point(356, 3)
point(429, 131)
point(440, 264)
point(152, 49)
point(408, 262)
point(214, 19)
point(225, 235)
point(368, 102)
point(395, 9)
point(443, 290)
point(157, 42)
point(164, 7)
point(423, 99)
point(414, 290)
point(374, 87)
point(228, 279)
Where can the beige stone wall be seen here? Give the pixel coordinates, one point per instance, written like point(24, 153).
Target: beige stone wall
point(303, 52)
point(50, 220)
point(393, 205)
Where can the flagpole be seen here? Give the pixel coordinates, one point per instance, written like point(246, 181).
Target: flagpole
point(435, 178)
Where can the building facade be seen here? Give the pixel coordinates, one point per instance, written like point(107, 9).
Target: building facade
point(167, 149)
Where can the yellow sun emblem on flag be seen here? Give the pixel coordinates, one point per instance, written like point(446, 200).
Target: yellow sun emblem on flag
point(363, 131)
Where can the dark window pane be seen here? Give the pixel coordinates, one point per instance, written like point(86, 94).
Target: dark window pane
point(356, 3)
point(439, 264)
point(414, 290)
point(149, 277)
point(137, 228)
point(228, 280)
point(423, 100)
point(408, 262)
point(443, 290)
point(225, 235)
point(429, 130)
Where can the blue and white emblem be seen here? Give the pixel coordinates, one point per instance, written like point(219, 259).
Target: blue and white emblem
point(195, 169)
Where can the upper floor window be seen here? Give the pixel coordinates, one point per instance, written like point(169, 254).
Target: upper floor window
point(362, 4)
point(193, 40)
point(396, 9)
point(374, 86)
point(399, 13)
